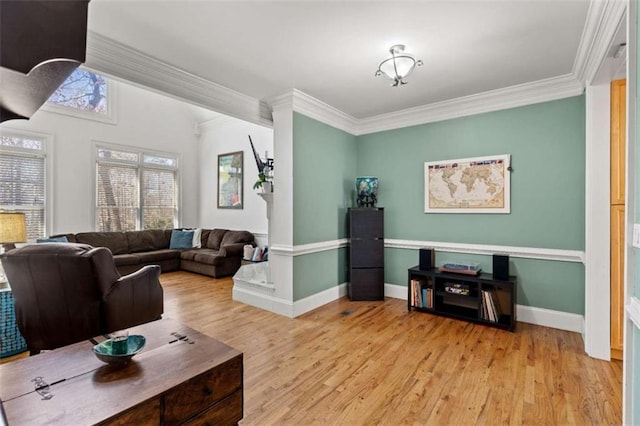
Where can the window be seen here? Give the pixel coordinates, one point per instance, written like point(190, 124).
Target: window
point(85, 95)
point(22, 179)
point(135, 190)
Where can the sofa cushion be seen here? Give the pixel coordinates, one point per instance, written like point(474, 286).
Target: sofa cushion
point(215, 238)
point(191, 254)
point(181, 239)
point(204, 237)
point(158, 255)
point(126, 259)
point(147, 240)
point(232, 237)
point(114, 241)
point(71, 238)
point(209, 257)
point(197, 238)
point(60, 239)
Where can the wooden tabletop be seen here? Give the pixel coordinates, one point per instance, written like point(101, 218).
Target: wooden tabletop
point(86, 391)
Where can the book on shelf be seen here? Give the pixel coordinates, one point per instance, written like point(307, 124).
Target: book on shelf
point(490, 308)
point(421, 296)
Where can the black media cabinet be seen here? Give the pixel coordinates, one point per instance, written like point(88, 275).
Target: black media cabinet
point(366, 254)
point(476, 298)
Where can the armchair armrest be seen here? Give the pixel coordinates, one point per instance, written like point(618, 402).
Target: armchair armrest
point(230, 250)
point(134, 299)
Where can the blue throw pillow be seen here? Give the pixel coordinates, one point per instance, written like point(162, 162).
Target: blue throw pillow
point(181, 239)
point(61, 239)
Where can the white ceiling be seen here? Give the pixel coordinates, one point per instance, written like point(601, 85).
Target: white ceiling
point(331, 50)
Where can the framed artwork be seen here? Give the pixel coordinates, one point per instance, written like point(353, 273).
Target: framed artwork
point(469, 185)
point(230, 180)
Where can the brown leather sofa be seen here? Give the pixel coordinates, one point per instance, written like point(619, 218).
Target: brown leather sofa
point(66, 293)
point(220, 253)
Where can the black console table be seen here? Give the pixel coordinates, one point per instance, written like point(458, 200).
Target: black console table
point(476, 298)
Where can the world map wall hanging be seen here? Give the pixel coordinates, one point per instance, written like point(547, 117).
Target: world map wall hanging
point(469, 185)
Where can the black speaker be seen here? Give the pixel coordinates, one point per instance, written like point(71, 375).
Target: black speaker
point(500, 266)
point(427, 258)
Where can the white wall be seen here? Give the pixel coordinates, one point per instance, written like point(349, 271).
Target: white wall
point(223, 135)
point(144, 119)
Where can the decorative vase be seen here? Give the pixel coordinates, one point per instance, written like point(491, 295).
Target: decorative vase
point(366, 191)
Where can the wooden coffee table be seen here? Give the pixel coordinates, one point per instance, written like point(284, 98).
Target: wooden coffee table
point(169, 382)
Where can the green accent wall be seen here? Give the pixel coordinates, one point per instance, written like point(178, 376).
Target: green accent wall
point(547, 146)
point(324, 164)
point(316, 272)
point(324, 161)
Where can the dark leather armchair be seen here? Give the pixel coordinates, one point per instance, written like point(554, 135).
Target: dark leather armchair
point(66, 293)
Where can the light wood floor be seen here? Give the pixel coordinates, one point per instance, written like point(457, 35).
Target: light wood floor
point(357, 363)
point(380, 364)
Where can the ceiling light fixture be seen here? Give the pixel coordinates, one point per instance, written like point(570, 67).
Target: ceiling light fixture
point(398, 66)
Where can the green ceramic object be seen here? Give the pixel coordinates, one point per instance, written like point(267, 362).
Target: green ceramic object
point(116, 353)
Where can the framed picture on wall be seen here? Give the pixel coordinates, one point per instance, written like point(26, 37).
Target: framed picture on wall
point(468, 185)
point(230, 180)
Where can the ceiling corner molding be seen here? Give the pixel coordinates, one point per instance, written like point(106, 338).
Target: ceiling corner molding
point(509, 97)
point(215, 123)
point(603, 20)
point(282, 102)
point(111, 57)
point(314, 108)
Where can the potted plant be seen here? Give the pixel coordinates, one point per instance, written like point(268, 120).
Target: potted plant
point(263, 182)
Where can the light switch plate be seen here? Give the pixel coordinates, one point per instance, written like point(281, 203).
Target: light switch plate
point(636, 235)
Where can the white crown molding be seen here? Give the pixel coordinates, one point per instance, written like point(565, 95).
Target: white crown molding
point(484, 249)
point(603, 20)
point(549, 89)
point(215, 123)
point(558, 255)
point(325, 113)
point(633, 311)
point(111, 57)
point(116, 59)
point(509, 97)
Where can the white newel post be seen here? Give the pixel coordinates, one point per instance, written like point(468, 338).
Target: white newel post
point(255, 277)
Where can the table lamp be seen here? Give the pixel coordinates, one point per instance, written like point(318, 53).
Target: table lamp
point(13, 229)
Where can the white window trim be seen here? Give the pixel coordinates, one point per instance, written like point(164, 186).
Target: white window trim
point(109, 118)
point(47, 152)
point(96, 144)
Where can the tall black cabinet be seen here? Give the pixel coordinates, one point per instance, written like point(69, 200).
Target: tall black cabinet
point(366, 254)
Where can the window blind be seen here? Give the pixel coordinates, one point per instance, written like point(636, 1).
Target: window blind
point(117, 197)
point(22, 188)
point(159, 198)
point(135, 190)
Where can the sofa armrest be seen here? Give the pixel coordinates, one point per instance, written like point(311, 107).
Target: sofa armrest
point(231, 250)
point(134, 299)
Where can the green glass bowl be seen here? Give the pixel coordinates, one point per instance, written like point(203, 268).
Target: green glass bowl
point(116, 354)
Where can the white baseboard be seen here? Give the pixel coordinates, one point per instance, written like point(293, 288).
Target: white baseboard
point(316, 300)
point(550, 318)
point(263, 301)
point(285, 307)
point(396, 291)
point(528, 314)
